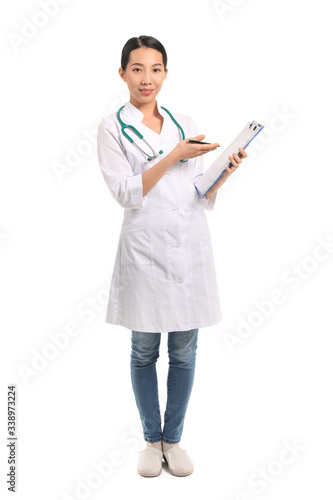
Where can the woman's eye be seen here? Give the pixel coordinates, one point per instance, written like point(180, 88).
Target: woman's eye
point(156, 69)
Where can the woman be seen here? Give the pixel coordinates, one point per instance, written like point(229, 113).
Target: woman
point(164, 277)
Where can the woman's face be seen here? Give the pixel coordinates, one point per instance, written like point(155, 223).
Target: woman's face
point(145, 70)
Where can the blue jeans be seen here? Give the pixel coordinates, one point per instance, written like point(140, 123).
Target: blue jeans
point(182, 347)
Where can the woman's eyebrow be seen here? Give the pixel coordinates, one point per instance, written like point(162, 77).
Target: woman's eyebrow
point(156, 64)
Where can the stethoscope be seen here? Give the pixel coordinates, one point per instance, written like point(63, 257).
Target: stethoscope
point(154, 155)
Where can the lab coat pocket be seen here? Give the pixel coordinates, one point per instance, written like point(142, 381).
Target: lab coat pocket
point(135, 249)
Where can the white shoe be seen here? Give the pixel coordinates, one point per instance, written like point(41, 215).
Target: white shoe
point(179, 462)
point(150, 462)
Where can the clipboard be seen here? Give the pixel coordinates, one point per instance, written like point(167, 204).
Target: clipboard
point(214, 172)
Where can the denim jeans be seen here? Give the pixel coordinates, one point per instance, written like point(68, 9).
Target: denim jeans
point(182, 347)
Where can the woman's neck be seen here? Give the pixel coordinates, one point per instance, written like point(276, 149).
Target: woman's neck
point(149, 110)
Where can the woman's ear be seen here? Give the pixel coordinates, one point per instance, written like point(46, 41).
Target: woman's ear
point(122, 74)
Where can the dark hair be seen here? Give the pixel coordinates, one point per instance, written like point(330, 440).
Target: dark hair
point(142, 41)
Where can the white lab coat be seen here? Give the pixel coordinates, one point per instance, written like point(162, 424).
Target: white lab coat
point(164, 275)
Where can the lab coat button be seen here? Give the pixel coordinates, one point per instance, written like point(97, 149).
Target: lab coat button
point(180, 281)
point(174, 209)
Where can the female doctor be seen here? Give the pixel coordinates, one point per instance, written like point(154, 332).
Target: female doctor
point(164, 276)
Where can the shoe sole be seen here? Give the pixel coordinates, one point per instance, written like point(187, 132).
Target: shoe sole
point(149, 475)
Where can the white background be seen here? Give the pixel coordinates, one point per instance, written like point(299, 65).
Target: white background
point(228, 63)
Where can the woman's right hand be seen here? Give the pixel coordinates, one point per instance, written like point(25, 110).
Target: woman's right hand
point(186, 150)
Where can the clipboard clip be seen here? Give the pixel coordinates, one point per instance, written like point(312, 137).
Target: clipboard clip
point(255, 125)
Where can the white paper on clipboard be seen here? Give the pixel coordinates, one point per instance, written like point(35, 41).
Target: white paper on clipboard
point(214, 172)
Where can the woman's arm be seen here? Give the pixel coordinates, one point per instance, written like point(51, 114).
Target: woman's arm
point(151, 176)
point(183, 149)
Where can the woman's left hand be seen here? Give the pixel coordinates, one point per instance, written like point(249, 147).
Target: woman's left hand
point(235, 160)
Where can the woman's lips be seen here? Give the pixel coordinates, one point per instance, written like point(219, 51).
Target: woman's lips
point(146, 92)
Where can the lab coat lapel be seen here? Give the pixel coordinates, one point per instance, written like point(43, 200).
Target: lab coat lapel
point(132, 112)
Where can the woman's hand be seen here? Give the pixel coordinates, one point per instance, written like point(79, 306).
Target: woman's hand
point(235, 160)
point(185, 149)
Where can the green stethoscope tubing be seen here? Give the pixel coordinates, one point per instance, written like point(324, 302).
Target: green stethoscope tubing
point(124, 126)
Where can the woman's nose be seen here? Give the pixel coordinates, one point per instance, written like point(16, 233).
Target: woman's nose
point(145, 78)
